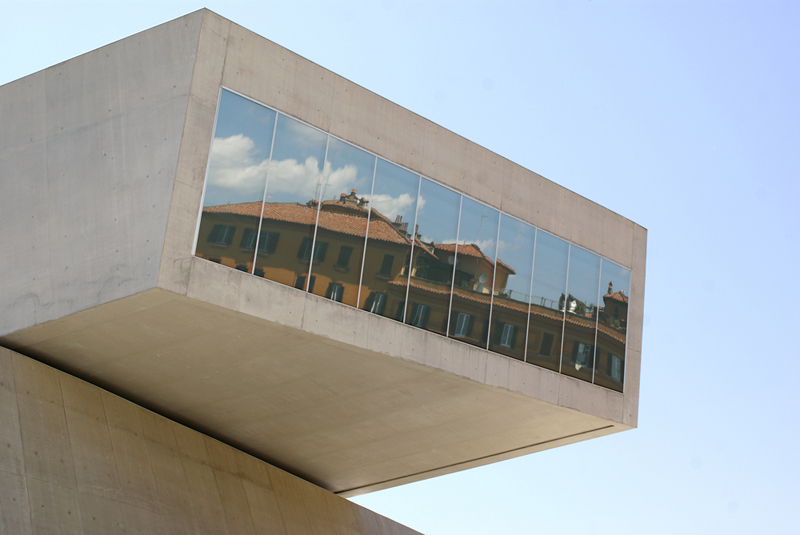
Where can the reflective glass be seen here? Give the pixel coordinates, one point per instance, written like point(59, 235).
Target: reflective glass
point(474, 272)
point(237, 171)
point(612, 326)
point(342, 222)
point(512, 287)
point(393, 207)
point(432, 273)
point(548, 293)
point(290, 207)
point(580, 306)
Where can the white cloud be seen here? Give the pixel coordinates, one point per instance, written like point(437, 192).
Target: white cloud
point(290, 177)
point(235, 174)
point(391, 207)
point(342, 180)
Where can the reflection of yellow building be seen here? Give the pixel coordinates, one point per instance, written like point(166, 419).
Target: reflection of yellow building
point(611, 334)
point(228, 236)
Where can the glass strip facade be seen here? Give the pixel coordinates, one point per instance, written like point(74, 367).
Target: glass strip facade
point(292, 204)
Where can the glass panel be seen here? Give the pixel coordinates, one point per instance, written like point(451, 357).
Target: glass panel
point(432, 274)
point(290, 210)
point(612, 326)
point(581, 313)
point(342, 223)
point(474, 272)
point(548, 294)
point(512, 287)
point(393, 206)
point(237, 171)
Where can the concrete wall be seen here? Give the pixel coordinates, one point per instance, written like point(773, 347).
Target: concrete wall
point(88, 153)
point(76, 459)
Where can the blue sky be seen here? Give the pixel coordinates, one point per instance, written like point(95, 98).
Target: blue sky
point(683, 116)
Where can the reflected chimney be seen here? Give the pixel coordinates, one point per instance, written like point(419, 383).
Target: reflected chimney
point(610, 287)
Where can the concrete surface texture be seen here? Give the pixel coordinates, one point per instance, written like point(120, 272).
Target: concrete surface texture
point(89, 152)
point(104, 160)
point(348, 419)
point(76, 459)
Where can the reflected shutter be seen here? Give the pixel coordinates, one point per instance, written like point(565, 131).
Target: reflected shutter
point(369, 301)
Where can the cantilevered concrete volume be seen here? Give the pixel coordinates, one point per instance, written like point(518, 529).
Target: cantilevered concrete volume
point(219, 231)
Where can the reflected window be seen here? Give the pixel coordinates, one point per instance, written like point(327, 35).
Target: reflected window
point(508, 335)
point(546, 348)
point(335, 292)
point(435, 254)
point(343, 260)
point(419, 315)
point(305, 249)
point(580, 304)
point(512, 286)
point(300, 284)
point(462, 324)
point(320, 249)
point(386, 266)
point(304, 253)
point(548, 300)
point(401, 308)
point(235, 179)
point(248, 239)
point(392, 206)
point(376, 303)
point(611, 328)
point(268, 242)
point(581, 354)
point(475, 263)
point(291, 199)
point(222, 235)
point(615, 367)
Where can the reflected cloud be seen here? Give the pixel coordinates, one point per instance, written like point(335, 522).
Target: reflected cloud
point(342, 179)
point(235, 173)
point(392, 207)
point(290, 176)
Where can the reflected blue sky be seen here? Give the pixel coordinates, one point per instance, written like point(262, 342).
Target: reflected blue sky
point(395, 192)
point(479, 226)
point(239, 152)
point(616, 275)
point(515, 249)
point(584, 275)
point(347, 167)
point(437, 215)
point(297, 158)
point(549, 270)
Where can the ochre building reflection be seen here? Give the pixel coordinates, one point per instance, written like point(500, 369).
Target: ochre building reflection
point(448, 289)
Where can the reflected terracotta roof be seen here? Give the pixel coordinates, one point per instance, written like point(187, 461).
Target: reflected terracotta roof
point(245, 208)
point(618, 296)
point(470, 249)
point(345, 219)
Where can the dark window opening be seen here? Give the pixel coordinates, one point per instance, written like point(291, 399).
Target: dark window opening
point(386, 266)
point(222, 234)
point(344, 256)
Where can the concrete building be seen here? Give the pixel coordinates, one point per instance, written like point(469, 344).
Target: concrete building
point(236, 288)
